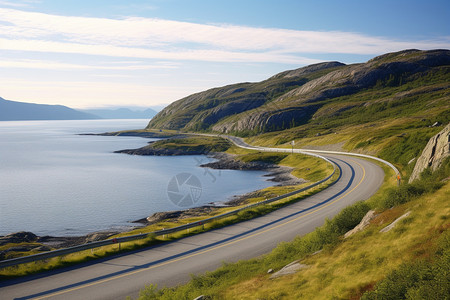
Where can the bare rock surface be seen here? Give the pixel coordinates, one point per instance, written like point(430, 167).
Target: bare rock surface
point(363, 224)
point(291, 268)
point(392, 225)
point(18, 237)
point(434, 153)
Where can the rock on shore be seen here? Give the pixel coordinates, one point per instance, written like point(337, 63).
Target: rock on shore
point(279, 174)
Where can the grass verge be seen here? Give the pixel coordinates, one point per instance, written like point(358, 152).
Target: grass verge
point(296, 161)
point(407, 261)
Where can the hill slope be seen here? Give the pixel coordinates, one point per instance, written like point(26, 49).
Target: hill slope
point(386, 107)
point(19, 111)
point(203, 110)
point(297, 97)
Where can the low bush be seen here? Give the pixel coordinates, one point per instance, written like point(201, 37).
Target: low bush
point(429, 182)
point(419, 280)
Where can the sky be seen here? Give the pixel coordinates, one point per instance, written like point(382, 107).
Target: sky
point(131, 53)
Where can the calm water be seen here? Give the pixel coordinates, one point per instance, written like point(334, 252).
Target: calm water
point(55, 182)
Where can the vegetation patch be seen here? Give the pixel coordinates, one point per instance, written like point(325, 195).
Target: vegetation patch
point(83, 256)
point(204, 144)
point(407, 262)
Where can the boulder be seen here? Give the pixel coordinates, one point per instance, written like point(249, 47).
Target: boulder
point(291, 268)
point(363, 224)
point(433, 154)
point(42, 248)
point(160, 216)
point(98, 236)
point(18, 237)
point(392, 225)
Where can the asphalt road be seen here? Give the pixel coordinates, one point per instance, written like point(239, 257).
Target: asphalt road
point(172, 263)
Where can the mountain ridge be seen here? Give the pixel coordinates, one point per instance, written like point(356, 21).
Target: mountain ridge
point(22, 111)
point(292, 98)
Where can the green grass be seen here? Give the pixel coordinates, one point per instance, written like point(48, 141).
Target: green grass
point(421, 279)
point(346, 269)
point(105, 251)
point(304, 166)
point(296, 161)
point(203, 144)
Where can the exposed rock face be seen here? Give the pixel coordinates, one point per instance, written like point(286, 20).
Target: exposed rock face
point(392, 225)
point(363, 224)
point(291, 268)
point(151, 151)
point(292, 98)
point(98, 236)
point(204, 109)
point(434, 153)
point(18, 237)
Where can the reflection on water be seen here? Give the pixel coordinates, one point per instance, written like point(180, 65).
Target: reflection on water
point(55, 182)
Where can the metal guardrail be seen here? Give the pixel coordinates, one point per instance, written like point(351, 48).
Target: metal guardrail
point(397, 172)
point(92, 245)
point(240, 143)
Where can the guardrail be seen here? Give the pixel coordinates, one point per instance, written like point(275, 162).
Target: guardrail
point(397, 172)
point(92, 245)
point(240, 143)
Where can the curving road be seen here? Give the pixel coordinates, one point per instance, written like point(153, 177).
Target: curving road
point(172, 263)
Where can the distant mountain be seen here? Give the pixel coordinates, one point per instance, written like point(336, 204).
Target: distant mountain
point(122, 113)
point(20, 111)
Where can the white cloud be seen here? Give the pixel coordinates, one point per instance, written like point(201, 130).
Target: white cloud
point(101, 49)
point(135, 52)
point(174, 40)
point(54, 65)
point(18, 3)
point(79, 94)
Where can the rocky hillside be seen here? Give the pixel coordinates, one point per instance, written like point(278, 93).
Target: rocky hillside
point(434, 154)
point(204, 110)
point(321, 91)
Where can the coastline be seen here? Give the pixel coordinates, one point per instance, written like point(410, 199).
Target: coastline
point(275, 173)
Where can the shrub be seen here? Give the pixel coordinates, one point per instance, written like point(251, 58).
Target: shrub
point(350, 216)
point(418, 280)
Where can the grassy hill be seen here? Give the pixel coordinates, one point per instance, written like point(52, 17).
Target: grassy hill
point(389, 107)
point(326, 90)
point(385, 107)
point(410, 261)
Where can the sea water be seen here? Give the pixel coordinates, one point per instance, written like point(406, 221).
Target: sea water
point(54, 181)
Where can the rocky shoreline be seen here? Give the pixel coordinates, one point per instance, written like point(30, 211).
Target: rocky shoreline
point(279, 174)
point(25, 241)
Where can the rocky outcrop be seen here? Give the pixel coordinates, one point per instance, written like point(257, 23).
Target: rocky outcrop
point(291, 268)
point(151, 151)
point(363, 224)
point(205, 109)
point(18, 237)
point(268, 118)
point(308, 70)
point(392, 225)
point(292, 98)
point(280, 174)
point(433, 154)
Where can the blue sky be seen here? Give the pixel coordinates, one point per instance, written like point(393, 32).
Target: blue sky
point(101, 53)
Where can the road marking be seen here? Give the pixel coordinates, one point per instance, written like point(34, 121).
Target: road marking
point(210, 249)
